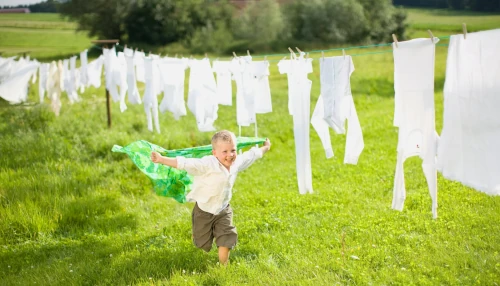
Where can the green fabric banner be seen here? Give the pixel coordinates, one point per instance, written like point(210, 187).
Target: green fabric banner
point(168, 181)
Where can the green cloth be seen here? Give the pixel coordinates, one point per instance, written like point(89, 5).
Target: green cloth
point(168, 181)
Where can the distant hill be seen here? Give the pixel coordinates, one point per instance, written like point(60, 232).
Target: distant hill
point(49, 6)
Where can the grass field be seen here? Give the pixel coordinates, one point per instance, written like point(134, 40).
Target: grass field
point(73, 213)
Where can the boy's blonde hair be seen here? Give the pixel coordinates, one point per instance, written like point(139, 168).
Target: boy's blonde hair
point(224, 136)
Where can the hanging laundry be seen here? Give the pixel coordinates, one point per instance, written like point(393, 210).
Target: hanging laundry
point(54, 87)
point(151, 92)
point(299, 92)
point(335, 105)
point(139, 66)
point(202, 97)
point(71, 80)
point(94, 71)
point(173, 72)
point(120, 74)
point(262, 90)
point(14, 89)
point(133, 92)
point(42, 83)
point(224, 85)
point(468, 150)
point(241, 68)
point(414, 113)
point(83, 68)
point(111, 80)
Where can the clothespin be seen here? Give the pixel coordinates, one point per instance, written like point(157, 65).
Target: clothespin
point(395, 39)
point(464, 28)
point(307, 55)
point(248, 52)
point(142, 50)
point(298, 50)
point(125, 46)
point(323, 54)
point(206, 55)
point(343, 52)
point(265, 58)
point(234, 54)
point(291, 51)
point(432, 36)
point(136, 49)
point(284, 58)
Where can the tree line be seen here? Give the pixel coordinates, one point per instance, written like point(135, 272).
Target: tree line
point(219, 26)
point(473, 5)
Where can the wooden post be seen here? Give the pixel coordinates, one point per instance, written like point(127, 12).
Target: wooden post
point(108, 101)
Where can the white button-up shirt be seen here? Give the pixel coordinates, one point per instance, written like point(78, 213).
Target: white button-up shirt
point(212, 182)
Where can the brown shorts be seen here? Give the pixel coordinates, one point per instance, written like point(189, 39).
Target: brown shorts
point(207, 226)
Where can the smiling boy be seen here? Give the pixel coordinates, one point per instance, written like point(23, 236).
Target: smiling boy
point(213, 180)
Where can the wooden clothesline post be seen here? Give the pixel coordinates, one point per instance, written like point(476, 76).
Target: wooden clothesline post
point(108, 103)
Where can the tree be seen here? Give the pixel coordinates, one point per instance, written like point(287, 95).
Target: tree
point(259, 22)
point(101, 18)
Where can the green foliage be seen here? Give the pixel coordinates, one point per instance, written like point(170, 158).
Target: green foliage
point(260, 23)
point(339, 22)
point(104, 19)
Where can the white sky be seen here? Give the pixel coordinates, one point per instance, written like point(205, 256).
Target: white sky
point(18, 2)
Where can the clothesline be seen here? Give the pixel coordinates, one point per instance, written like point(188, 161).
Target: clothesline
point(324, 51)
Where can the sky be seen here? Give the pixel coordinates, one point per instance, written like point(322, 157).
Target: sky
point(18, 2)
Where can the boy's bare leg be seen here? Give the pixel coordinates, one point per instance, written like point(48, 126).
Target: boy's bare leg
point(223, 255)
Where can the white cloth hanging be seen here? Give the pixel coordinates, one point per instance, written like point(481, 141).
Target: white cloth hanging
point(42, 83)
point(414, 114)
point(241, 68)
point(299, 91)
point(133, 92)
point(151, 92)
point(94, 71)
point(71, 81)
point(110, 78)
point(83, 68)
point(224, 92)
point(139, 66)
point(262, 90)
point(468, 150)
point(14, 89)
point(202, 100)
point(54, 87)
point(173, 73)
point(120, 73)
point(336, 105)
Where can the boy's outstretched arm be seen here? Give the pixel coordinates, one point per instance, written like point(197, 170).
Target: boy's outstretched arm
point(266, 147)
point(157, 158)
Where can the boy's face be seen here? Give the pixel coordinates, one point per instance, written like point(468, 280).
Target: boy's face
point(225, 152)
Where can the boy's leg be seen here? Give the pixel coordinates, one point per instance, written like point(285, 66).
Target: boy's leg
point(225, 233)
point(223, 255)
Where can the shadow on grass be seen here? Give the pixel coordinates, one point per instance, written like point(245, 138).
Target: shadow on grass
point(90, 261)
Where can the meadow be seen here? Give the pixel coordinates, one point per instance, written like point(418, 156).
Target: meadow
point(74, 213)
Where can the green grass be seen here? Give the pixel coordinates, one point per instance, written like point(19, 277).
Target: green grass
point(72, 212)
point(42, 36)
point(443, 22)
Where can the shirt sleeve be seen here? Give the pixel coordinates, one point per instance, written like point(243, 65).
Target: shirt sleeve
point(248, 158)
point(193, 166)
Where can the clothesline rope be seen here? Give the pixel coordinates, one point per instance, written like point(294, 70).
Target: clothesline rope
point(324, 51)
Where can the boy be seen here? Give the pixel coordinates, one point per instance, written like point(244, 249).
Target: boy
point(213, 180)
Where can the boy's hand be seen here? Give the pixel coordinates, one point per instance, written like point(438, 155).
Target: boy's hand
point(267, 143)
point(155, 157)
